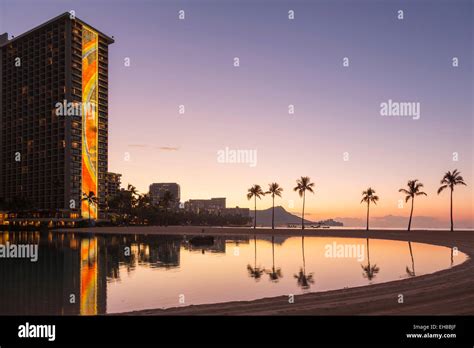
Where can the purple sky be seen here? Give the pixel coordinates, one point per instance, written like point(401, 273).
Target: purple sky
point(286, 62)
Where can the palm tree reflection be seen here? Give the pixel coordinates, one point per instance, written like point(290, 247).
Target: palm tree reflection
point(275, 273)
point(255, 271)
point(369, 270)
point(304, 280)
point(411, 272)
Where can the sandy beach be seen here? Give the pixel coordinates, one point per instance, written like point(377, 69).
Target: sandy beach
point(447, 292)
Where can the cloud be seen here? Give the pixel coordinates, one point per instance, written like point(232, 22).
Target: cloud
point(168, 148)
point(162, 148)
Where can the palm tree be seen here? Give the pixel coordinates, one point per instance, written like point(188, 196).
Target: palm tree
point(133, 193)
point(165, 203)
point(91, 199)
point(143, 203)
point(256, 192)
point(126, 203)
point(275, 190)
point(304, 280)
point(413, 190)
point(450, 180)
point(302, 185)
point(411, 272)
point(369, 196)
point(275, 273)
point(144, 200)
point(369, 270)
point(167, 199)
point(133, 190)
point(256, 271)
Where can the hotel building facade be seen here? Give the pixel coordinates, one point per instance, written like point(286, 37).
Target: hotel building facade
point(157, 192)
point(54, 116)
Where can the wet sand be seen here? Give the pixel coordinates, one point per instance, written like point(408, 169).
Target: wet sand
point(447, 292)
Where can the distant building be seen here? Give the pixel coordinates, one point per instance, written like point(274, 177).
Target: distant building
point(112, 184)
point(236, 211)
point(157, 192)
point(213, 205)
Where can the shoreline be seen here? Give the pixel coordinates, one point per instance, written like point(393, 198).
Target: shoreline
point(446, 292)
point(240, 230)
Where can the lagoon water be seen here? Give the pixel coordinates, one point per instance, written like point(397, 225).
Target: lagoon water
point(86, 274)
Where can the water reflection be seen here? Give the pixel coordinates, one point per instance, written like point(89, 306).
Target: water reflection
point(275, 273)
point(370, 271)
point(304, 280)
point(411, 272)
point(70, 276)
point(96, 274)
point(452, 259)
point(255, 272)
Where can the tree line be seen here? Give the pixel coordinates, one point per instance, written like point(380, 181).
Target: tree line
point(303, 184)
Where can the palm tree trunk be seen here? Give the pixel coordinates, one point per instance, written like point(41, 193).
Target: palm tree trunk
point(452, 224)
point(302, 216)
point(255, 217)
point(89, 206)
point(368, 204)
point(411, 212)
point(273, 214)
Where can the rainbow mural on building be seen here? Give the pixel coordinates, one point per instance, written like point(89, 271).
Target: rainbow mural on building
point(90, 119)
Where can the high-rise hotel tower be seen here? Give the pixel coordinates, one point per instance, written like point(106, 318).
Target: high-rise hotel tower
point(54, 116)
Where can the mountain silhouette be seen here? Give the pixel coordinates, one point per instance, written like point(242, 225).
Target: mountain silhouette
point(283, 218)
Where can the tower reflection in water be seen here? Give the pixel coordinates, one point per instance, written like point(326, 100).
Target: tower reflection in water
point(71, 273)
point(89, 277)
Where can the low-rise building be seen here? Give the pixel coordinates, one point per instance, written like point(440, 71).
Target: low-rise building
point(212, 206)
point(236, 211)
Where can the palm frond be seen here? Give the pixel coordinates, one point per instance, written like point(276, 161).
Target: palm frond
point(441, 189)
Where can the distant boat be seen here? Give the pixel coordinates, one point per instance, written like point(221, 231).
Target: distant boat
point(310, 226)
